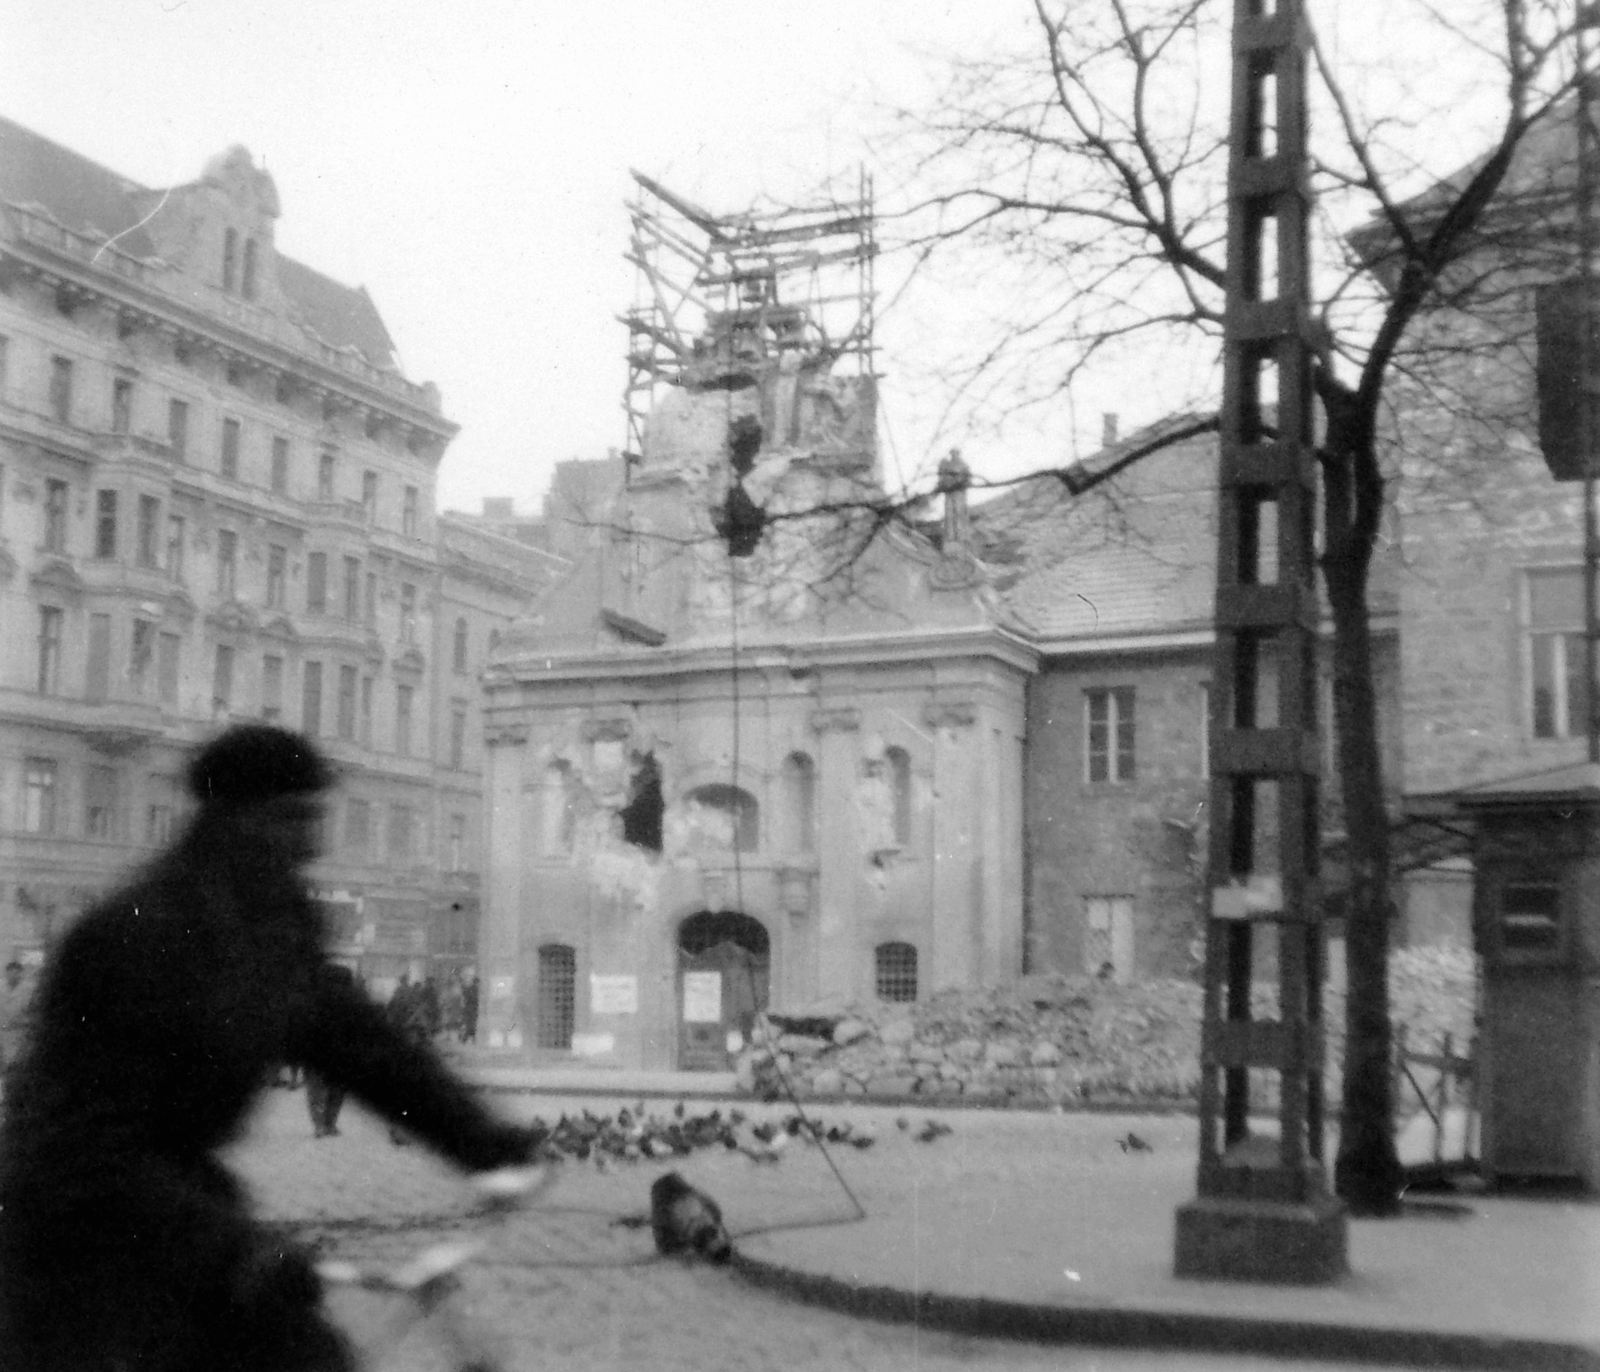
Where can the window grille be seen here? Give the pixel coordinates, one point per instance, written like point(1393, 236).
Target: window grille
point(557, 995)
point(896, 971)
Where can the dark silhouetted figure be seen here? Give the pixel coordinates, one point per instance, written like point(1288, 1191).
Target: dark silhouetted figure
point(124, 1241)
point(685, 1220)
point(324, 1099)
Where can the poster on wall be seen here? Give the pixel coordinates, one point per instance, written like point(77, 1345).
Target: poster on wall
point(702, 997)
point(613, 994)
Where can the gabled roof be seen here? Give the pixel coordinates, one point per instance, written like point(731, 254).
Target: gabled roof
point(1134, 556)
point(87, 198)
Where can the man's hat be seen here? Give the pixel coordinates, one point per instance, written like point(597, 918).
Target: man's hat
point(257, 762)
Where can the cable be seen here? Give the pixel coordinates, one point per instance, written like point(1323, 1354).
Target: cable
point(738, 864)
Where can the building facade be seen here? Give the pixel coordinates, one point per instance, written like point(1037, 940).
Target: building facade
point(727, 776)
point(216, 504)
point(1115, 588)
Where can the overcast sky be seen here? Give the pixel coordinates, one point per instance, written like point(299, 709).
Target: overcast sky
point(468, 162)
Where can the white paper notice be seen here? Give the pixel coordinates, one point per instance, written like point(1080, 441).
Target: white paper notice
point(613, 993)
point(702, 997)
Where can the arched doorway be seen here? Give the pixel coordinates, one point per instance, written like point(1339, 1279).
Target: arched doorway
point(724, 962)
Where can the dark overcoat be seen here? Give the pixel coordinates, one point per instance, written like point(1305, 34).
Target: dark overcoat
point(125, 1244)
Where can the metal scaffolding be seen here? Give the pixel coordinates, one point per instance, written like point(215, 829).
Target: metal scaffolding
point(720, 298)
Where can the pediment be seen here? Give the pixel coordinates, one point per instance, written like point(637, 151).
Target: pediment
point(180, 605)
point(280, 627)
point(631, 629)
point(232, 618)
point(411, 662)
point(58, 575)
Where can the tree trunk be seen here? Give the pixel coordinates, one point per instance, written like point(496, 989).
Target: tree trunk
point(1367, 1175)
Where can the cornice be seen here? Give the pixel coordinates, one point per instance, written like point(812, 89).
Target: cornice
point(911, 647)
point(124, 289)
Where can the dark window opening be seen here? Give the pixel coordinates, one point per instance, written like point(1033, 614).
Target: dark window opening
point(895, 971)
point(642, 815)
point(744, 442)
point(707, 930)
point(1530, 915)
point(739, 812)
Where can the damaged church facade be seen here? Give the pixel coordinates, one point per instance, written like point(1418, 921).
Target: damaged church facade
point(762, 748)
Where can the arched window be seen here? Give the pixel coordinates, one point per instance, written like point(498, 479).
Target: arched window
point(461, 645)
point(800, 803)
point(900, 794)
point(249, 284)
point(895, 971)
point(230, 252)
point(560, 813)
point(728, 816)
point(558, 983)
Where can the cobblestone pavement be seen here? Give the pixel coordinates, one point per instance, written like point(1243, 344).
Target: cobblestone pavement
point(563, 1286)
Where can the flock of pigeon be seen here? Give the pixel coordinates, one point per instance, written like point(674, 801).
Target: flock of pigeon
point(634, 1135)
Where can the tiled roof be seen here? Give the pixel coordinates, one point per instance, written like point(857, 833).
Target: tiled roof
point(79, 194)
point(339, 315)
point(1543, 169)
point(1135, 555)
point(84, 196)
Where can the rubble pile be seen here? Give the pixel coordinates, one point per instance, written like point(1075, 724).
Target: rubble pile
point(1060, 1040)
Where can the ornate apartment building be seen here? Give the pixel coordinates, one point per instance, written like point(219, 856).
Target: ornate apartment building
point(217, 503)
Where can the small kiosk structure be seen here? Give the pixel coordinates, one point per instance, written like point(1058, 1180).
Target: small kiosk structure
point(1536, 924)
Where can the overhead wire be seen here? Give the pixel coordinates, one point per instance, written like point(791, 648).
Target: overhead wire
point(738, 862)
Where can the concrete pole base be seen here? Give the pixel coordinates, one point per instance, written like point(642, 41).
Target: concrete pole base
point(1262, 1241)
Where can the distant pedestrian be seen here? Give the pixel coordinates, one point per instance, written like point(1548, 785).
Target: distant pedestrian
point(469, 1009)
point(452, 1006)
point(125, 1241)
point(325, 1098)
point(15, 1007)
point(407, 1017)
point(428, 995)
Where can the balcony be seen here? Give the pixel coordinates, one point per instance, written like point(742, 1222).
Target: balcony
point(130, 447)
point(338, 514)
point(114, 727)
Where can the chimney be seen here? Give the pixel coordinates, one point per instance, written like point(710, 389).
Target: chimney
point(1108, 429)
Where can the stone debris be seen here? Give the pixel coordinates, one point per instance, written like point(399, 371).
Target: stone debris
point(1054, 1040)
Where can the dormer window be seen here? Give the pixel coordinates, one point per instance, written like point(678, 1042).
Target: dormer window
point(248, 285)
point(230, 254)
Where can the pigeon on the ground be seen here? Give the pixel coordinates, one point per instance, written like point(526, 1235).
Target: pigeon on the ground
point(687, 1221)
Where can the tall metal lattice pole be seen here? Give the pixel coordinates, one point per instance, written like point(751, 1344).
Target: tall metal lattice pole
point(1264, 1211)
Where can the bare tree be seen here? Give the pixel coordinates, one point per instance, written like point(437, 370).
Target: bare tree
point(1089, 171)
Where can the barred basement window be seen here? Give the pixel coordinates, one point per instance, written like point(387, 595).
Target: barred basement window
point(896, 971)
point(557, 995)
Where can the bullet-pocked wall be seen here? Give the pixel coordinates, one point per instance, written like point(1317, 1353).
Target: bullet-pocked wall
point(618, 825)
point(758, 750)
